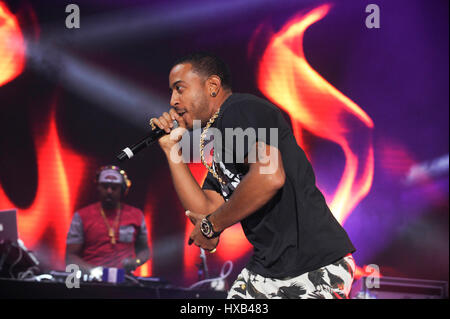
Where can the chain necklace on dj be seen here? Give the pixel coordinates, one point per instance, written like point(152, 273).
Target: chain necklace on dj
point(111, 230)
point(202, 146)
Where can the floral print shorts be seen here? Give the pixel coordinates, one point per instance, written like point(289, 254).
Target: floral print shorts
point(333, 281)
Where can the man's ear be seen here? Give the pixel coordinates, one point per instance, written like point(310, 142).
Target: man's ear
point(214, 84)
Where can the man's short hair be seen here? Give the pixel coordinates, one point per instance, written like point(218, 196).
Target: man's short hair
point(208, 64)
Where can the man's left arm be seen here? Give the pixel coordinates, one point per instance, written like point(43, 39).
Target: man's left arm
point(141, 249)
point(263, 180)
point(141, 245)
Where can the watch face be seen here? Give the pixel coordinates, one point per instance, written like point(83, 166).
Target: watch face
point(206, 228)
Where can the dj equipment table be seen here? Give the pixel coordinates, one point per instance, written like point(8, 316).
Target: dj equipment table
point(17, 289)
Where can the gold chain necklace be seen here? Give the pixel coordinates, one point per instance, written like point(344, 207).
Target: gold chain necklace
point(111, 230)
point(202, 146)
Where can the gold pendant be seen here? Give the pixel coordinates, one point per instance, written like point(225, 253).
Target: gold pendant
point(111, 234)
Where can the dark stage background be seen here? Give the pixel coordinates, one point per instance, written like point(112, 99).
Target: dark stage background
point(369, 106)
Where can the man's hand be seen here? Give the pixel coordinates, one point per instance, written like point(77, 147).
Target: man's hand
point(165, 122)
point(129, 264)
point(196, 237)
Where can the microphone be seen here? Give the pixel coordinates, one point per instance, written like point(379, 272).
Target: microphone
point(150, 138)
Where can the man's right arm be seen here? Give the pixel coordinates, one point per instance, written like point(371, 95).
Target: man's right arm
point(74, 244)
point(73, 256)
point(191, 195)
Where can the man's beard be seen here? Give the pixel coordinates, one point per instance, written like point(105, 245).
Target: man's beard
point(204, 107)
point(109, 204)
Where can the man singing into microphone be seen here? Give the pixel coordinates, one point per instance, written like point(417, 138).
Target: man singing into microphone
point(300, 250)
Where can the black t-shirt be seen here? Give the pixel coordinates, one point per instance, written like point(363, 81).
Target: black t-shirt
point(295, 232)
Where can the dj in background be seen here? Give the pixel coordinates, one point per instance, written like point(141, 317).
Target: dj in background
point(108, 233)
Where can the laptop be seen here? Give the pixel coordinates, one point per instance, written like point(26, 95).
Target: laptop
point(8, 225)
point(17, 258)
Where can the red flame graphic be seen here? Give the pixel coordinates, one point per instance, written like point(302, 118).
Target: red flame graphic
point(146, 269)
point(12, 46)
point(53, 206)
point(313, 104)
